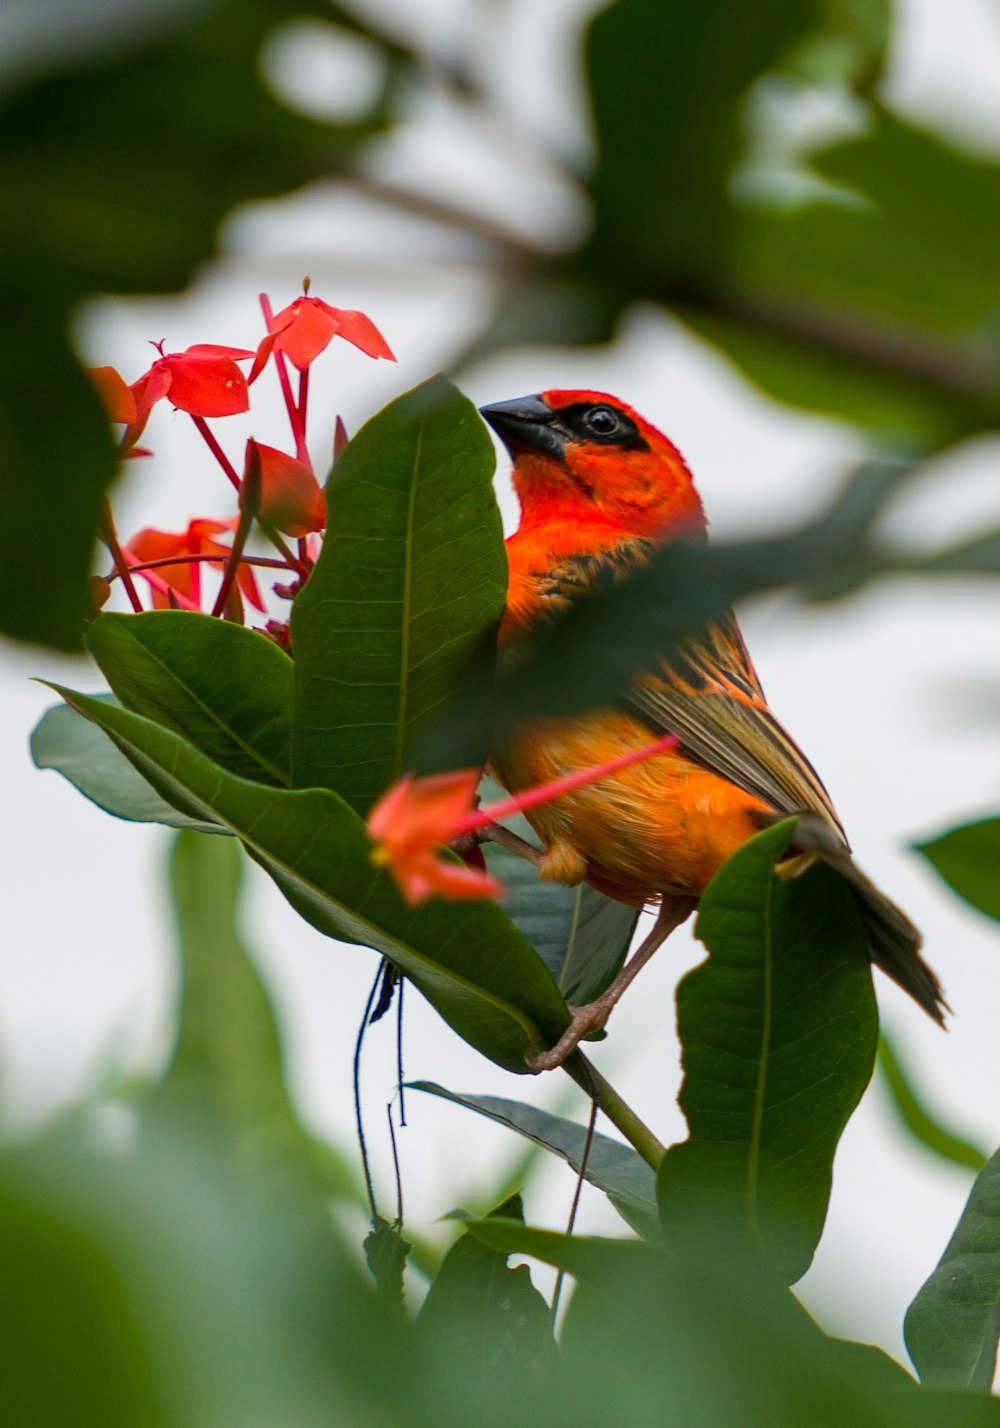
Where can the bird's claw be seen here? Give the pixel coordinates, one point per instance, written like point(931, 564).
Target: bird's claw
point(585, 1020)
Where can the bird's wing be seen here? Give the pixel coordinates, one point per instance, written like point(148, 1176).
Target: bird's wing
point(708, 695)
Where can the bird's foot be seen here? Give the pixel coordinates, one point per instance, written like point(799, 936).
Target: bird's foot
point(584, 1021)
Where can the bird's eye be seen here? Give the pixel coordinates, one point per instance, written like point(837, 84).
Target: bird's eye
point(602, 421)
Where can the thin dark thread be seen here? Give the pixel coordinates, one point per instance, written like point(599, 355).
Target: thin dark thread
point(395, 1166)
point(362, 1145)
point(581, 1176)
point(399, 1054)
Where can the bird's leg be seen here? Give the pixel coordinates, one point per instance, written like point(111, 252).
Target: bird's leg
point(497, 833)
point(593, 1016)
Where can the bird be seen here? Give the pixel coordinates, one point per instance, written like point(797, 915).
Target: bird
point(600, 491)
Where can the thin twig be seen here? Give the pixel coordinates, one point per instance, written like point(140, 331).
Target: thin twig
point(362, 1143)
point(395, 1165)
point(138, 567)
point(400, 1080)
point(581, 1176)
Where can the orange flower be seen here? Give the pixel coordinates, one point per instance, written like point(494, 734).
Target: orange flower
point(418, 817)
point(204, 381)
point(116, 395)
point(180, 584)
point(307, 326)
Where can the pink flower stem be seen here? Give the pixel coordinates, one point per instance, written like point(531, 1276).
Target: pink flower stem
point(546, 792)
point(303, 407)
point(137, 569)
point(217, 450)
point(295, 417)
point(110, 538)
point(233, 563)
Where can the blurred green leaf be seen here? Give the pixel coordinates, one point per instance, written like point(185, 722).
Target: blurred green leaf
point(318, 852)
point(71, 1350)
point(923, 1126)
point(673, 74)
point(953, 1325)
point(80, 750)
point(104, 205)
point(778, 1031)
point(581, 935)
point(494, 1318)
point(226, 1076)
point(968, 859)
point(226, 689)
point(412, 576)
point(145, 1268)
point(615, 1168)
point(694, 1339)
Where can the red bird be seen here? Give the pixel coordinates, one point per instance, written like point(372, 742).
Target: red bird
point(600, 489)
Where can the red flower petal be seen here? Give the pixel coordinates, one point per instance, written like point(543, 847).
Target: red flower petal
point(304, 335)
point(152, 544)
point(291, 496)
point(150, 388)
point(356, 327)
point(205, 385)
point(211, 349)
point(115, 393)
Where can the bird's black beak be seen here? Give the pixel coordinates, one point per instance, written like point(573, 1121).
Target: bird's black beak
point(526, 423)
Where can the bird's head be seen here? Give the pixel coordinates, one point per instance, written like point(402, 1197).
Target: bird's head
point(586, 455)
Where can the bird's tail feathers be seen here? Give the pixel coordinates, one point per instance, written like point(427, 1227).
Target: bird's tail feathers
point(893, 941)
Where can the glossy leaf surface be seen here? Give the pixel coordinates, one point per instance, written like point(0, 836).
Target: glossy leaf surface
point(778, 1032)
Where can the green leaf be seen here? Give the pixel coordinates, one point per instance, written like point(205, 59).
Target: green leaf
point(615, 1168)
point(674, 75)
point(227, 1074)
point(581, 935)
point(412, 577)
point(318, 852)
point(711, 1341)
point(953, 1325)
point(922, 1125)
point(491, 1315)
point(80, 750)
point(226, 689)
point(968, 859)
point(778, 1032)
point(142, 223)
point(385, 1254)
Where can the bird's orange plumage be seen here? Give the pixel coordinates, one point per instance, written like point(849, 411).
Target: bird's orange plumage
point(600, 489)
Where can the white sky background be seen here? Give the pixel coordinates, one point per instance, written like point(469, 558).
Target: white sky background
point(895, 695)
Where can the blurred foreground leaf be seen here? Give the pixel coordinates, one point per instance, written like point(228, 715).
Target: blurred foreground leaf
point(225, 688)
point(953, 1325)
point(615, 1168)
point(494, 1316)
point(778, 1031)
point(385, 1254)
point(226, 1077)
point(318, 852)
point(968, 859)
point(411, 577)
point(702, 1341)
point(922, 1125)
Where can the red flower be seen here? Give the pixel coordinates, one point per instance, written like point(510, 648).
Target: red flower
point(412, 823)
point(291, 497)
point(115, 394)
point(419, 816)
point(304, 328)
point(181, 583)
point(204, 381)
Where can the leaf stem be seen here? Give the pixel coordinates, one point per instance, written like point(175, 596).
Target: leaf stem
point(618, 1112)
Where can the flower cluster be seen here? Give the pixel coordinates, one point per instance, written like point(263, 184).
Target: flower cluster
point(279, 494)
